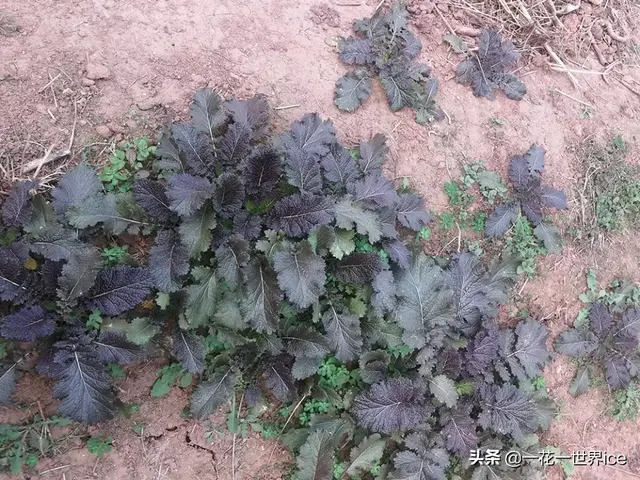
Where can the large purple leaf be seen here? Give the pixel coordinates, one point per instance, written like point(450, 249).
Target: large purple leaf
point(17, 208)
point(298, 214)
point(187, 193)
point(27, 324)
point(119, 289)
point(152, 196)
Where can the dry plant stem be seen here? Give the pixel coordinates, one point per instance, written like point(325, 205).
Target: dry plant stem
point(613, 34)
point(586, 104)
point(286, 107)
point(285, 426)
point(631, 89)
point(468, 31)
point(446, 22)
point(48, 157)
point(53, 469)
point(50, 83)
point(559, 61)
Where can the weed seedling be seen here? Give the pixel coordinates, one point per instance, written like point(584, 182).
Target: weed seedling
point(99, 445)
point(23, 445)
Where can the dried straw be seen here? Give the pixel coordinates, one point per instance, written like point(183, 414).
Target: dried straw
point(535, 25)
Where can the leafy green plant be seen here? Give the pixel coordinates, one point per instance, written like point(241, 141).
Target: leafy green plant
point(99, 445)
point(485, 69)
point(523, 243)
point(291, 274)
point(113, 255)
point(611, 187)
point(169, 376)
point(387, 49)
point(530, 196)
point(627, 403)
point(23, 445)
point(123, 164)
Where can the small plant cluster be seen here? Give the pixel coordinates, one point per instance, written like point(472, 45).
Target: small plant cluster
point(23, 445)
point(387, 49)
point(279, 269)
point(477, 191)
point(127, 163)
point(461, 197)
point(530, 196)
point(612, 186)
point(605, 337)
point(486, 69)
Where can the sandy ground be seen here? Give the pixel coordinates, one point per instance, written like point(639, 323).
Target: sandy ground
point(116, 68)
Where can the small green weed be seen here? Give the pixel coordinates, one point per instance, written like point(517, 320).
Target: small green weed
point(627, 403)
point(170, 376)
point(363, 245)
point(23, 445)
point(522, 243)
point(116, 370)
point(567, 467)
point(312, 407)
point(99, 445)
point(446, 221)
point(424, 234)
point(610, 191)
point(618, 296)
point(496, 122)
point(338, 470)
point(468, 196)
point(123, 164)
point(113, 255)
point(94, 320)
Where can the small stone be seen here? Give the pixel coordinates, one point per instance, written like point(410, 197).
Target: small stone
point(578, 130)
point(118, 137)
point(199, 79)
point(441, 165)
point(103, 131)
point(95, 71)
point(87, 82)
point(114, 127)
point(148, 104)
point(427, 7)
point(131, 123)
point(458, 14)
point(443, 7)
point(412, 9)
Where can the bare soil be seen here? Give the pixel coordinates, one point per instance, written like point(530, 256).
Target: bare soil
point(130, 66)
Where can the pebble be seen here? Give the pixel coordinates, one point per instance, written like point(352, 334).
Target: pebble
point(118, 137)
point(412, 9)
point(95, 71)
point(114, 127)
point(427, 7)
point(441, 165)
point(443, 7)
point(103, 131)
point(87, 82)
point(199, 79)
point(458, 14)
